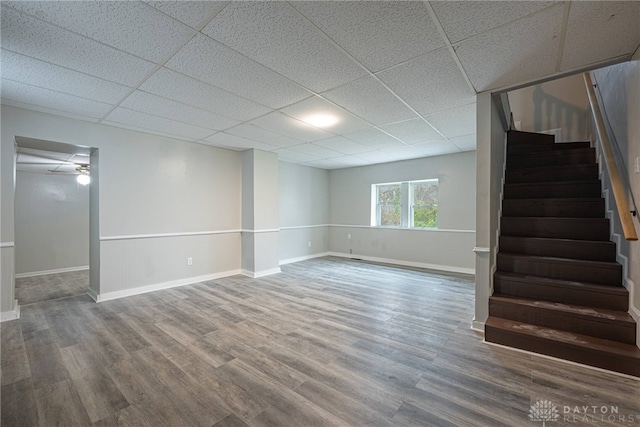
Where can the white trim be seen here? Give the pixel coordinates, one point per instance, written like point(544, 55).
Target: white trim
point(448, 268)
point(568, 362)
point(160, 235)
point(7, 245)
point(296, 227)
point(444, 230)
point(14, 314)
point(303, 258)
point(481, 250)
point(477, 326)
point(54, 271)
point(265, 230)
point(159, 286)
point(634, 311)
point(263, 273)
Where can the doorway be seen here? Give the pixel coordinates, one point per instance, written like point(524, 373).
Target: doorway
point(52, 229)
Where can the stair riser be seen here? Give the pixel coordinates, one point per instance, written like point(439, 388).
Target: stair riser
point(562, 271)
point(554, 158)
point(561, 294)
point(581, 324)
point(558, 229)
point(587, 189)
point(514, 149)
point(565, 351)
point(519, 137)
point(587, 172)
point(575, 249)
point(553, 208)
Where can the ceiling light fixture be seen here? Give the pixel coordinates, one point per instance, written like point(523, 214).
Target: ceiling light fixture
point(83, 179)
point(321, 120)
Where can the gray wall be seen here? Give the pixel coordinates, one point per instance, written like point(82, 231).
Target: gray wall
point(51, 223)
point(161, 201)
point(304, 211)
point(620, 89)
point(449, 247)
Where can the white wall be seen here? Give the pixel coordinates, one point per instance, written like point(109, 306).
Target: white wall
point(620, 89)
point(51, 223)
point(489, 183)
point(561, 103)
point(152, 190)
point(304, 211)
point(449, 247)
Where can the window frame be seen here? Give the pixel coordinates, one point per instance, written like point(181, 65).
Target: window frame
point(407, 205)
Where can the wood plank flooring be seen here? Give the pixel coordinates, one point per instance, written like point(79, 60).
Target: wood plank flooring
point(51, 286)
point(328, 342)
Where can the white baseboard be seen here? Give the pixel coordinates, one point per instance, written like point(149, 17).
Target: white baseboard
point(263, 273)
point(439, 267)
point(477, 326)
point(55, 271)
point(159, 286)
point(303, 258)
point(14, 314)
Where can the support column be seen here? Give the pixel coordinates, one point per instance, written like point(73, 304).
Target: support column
point(260, 216)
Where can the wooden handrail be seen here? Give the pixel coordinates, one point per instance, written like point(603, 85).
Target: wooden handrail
point(619, 194)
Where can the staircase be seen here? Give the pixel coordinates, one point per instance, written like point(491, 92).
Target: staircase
point(558, 288)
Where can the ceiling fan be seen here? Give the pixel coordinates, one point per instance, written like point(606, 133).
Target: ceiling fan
point(82, 171)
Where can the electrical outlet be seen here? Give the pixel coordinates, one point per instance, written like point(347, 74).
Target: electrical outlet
point(189, 261)
point(350, 251)
point(349, 236)
point(309, 244)
point(637, 168)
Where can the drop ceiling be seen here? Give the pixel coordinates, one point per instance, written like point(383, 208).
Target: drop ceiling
point(400, 77)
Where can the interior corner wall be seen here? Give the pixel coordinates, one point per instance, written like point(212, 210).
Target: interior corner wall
point(557, 104)
point(161, 201)
point(51, 223)
point(619, 86)
point(491, 143)
point(304, 212)
point(447, 248)
point(7, 249)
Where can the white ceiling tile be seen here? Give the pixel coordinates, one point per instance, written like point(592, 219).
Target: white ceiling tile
point(380, 156)
point(294, 156)
point(256, 133)
point(456, 121)
point(169, 84)
point(157, 124)
point(344, 161)
point(33, 95)
point(209, 61)
point(374, 139)
point(600, 30)
point(152, 104)
point(513, 53)
point(436, 149)
point(275, 35)
point(315, 150)
point(430, 83)
point(192, 13)
point(130, 26)
point(414, 131)
point(343, 145)
point(369, 99)
point(223, 139)
point(346, 122)
point(34, 72)
point(37, 39)
point(287, 126)
point(465, 142)
point(328, 164)
point(463, 19)
point(53, 111)
point(378, 34)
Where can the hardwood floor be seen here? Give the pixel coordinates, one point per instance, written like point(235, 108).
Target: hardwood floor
point(328, 342)
point(51, 286)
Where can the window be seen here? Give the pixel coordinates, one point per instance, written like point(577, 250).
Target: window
point(411, 204)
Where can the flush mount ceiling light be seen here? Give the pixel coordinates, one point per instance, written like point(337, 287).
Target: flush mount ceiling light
point(321, 120)
point(83, 174)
